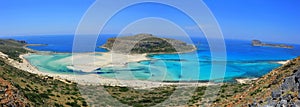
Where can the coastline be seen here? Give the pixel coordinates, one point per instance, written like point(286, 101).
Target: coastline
point(283, 62)
point(94, 79)
point(193, 50)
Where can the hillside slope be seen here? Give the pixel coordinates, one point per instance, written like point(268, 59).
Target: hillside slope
point(281, 87)
point(20, 88)
point(13, 48)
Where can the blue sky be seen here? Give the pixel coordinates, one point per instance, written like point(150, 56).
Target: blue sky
point(270, 20)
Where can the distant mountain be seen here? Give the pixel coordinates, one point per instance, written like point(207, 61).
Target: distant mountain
point(259, 43)
point(147, 43)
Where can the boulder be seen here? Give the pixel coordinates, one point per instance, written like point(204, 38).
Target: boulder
point(276, 94)
point(289, 84)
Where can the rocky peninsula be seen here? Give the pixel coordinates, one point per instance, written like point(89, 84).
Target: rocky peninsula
point(259, 43)
point(146, 43)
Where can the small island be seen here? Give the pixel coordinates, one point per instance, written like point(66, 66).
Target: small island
point(147, 43)
point(259, 43)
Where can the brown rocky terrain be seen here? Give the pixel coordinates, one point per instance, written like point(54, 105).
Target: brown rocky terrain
point(10, 96)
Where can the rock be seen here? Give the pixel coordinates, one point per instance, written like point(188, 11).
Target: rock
point(254, 104)
point(291, 104)
point(283, 103)
point(297, 103)
point(276, 94)
point(287, 97)
point(289, 84)
point(271, 103)
point(297, 74)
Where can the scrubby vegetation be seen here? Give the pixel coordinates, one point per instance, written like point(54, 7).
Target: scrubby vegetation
point(38, 90)
point(146, 43)
point(42, 90)
point(149, 97)
point(13, 48)
point(125, 96)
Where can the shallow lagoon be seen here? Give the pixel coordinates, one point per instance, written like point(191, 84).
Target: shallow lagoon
point(243, 61)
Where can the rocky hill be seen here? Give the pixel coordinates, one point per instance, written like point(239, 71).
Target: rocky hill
point(13, 48)
point(280, 88)
point(146, 43)
point(259, 43)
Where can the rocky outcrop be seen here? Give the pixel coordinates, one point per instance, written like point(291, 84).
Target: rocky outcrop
point(279, 88)
point(259, 43)
point(287, 95)
point(146, 43)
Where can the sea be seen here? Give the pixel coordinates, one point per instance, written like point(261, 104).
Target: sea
point(242, 60)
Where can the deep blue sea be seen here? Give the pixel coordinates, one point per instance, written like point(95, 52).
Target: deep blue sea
point(243, 60)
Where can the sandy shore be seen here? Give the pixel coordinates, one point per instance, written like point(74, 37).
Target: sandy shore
point(93, 79)
point(245, 80)
point(283, 62)
point(88, 62)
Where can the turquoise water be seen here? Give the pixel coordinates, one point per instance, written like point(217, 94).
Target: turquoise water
point(49, 63)
point(243, 61)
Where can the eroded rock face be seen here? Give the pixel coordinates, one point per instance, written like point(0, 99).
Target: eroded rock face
point(289, 84)
point(286, 95)
point(276, 94)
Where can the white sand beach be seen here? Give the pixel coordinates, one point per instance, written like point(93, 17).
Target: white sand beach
point(245, 80)
point(88, 62)
point(93, 79)
point(283, 62)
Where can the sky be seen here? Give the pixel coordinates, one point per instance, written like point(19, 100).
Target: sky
point(268, 20)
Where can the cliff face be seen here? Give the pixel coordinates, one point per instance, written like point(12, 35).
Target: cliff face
point(146, 43)
point(259, 43)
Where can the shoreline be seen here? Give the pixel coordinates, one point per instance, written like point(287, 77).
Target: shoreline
point(94, 79)
point(157, 53)
point(283, 62)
